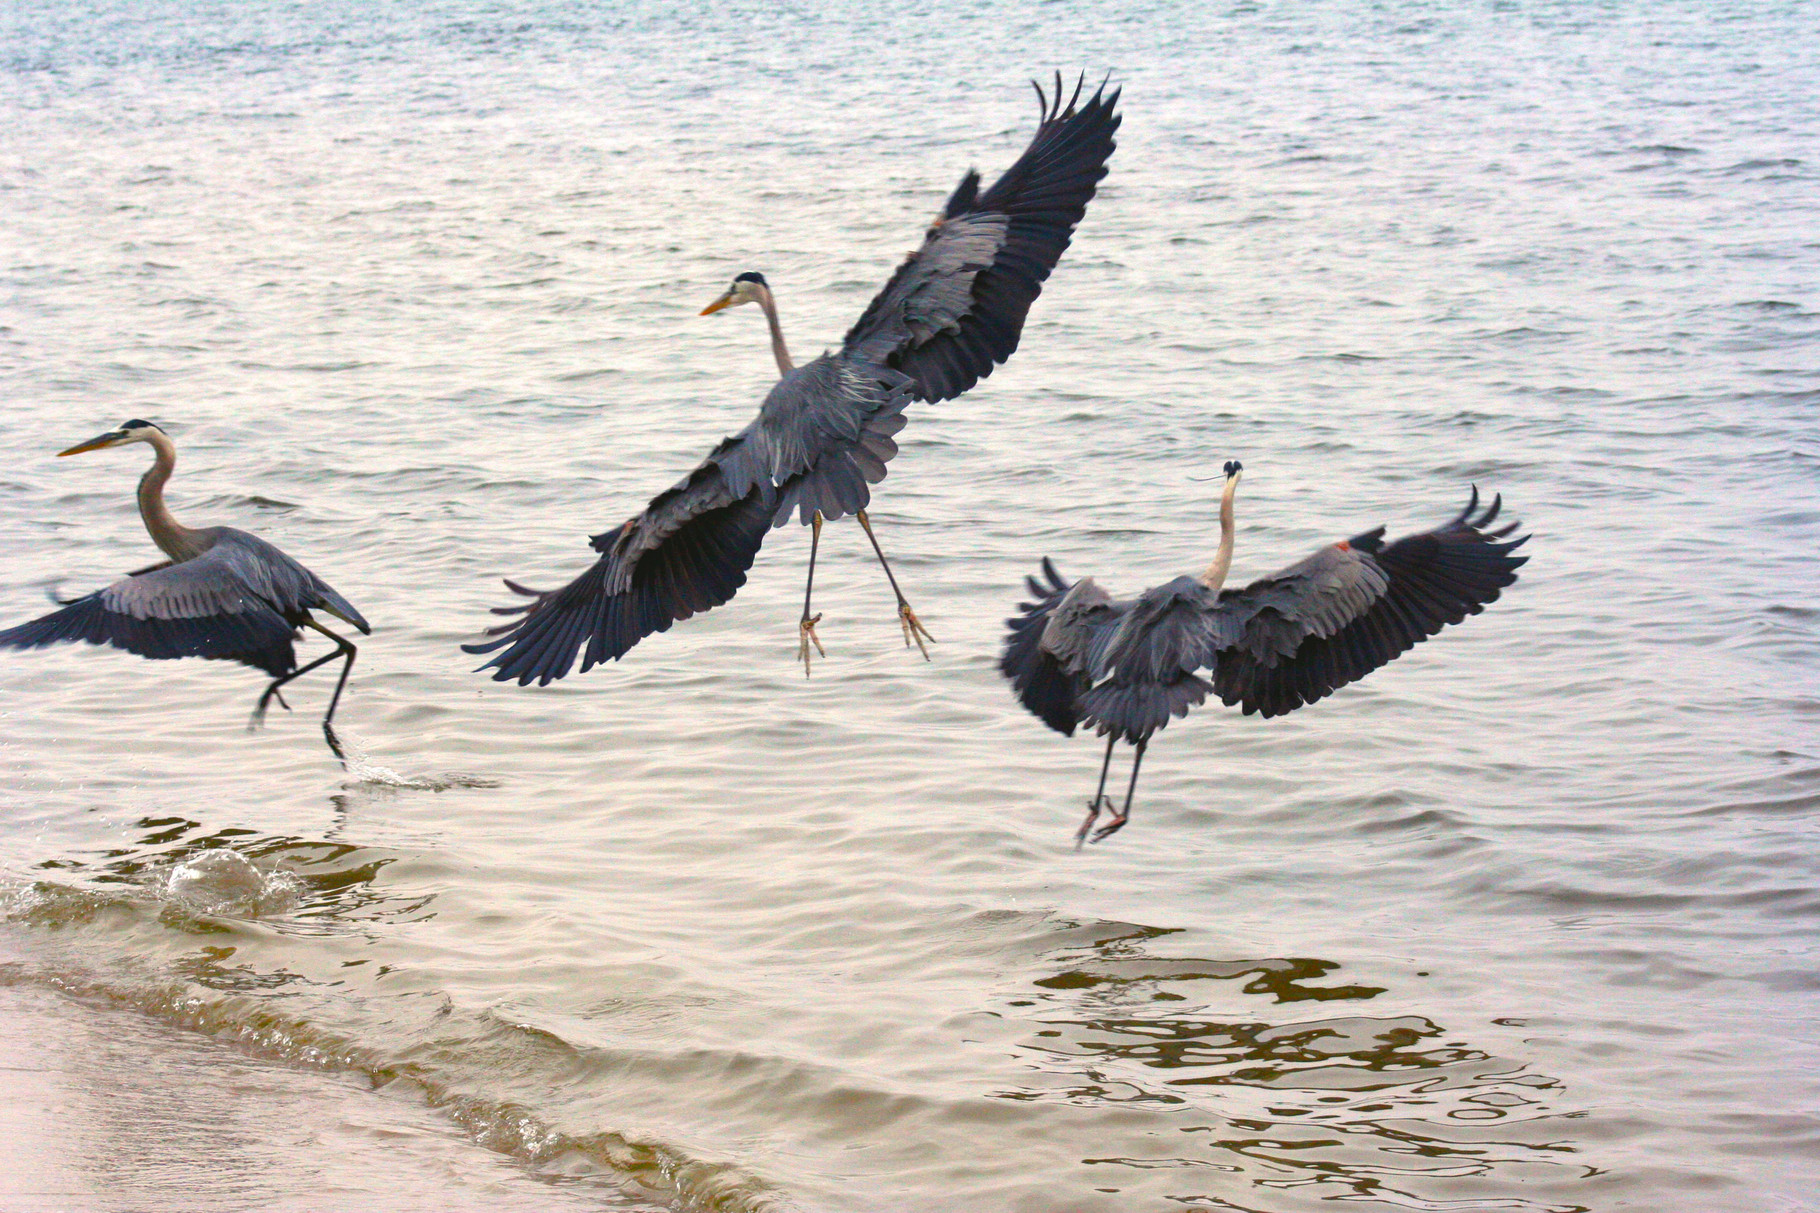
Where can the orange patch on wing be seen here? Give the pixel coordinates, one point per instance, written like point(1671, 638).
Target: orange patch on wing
point(1343, 546)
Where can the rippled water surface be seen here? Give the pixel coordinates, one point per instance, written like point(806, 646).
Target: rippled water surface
point(1526, 921)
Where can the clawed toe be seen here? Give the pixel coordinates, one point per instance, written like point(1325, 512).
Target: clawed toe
point(805, 636)
point(265, 701)
point(914, 631)
point(1094, 807)
point(1109, 829)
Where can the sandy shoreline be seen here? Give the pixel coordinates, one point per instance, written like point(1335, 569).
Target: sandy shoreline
point(107, 1111)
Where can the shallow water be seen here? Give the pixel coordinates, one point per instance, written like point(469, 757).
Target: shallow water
point(1525, 921)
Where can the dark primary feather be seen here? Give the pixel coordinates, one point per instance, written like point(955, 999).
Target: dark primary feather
point(956, 307)
point(240, 600)
point(688, 551)
point(1049, 683)
point(1286, 640)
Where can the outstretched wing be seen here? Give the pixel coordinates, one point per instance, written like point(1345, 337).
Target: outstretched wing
point(221, 605)
point(1296, 637)
point(956, 307)
point(688, 551)
point(1050, 651)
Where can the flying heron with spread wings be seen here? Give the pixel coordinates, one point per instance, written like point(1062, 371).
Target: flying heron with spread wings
point(223, 594)
point(953, 310)
point(1126, 666)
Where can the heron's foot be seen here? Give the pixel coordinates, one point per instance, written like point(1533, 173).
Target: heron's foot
point(1093, 814)
point(914, 631)
point(328, 735)
point(265, 701)
point(805, 636)
point(1110, 828)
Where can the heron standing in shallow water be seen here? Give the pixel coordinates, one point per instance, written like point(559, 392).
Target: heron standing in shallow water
point(952, 311)
point(1127, 665)
point(223, 594)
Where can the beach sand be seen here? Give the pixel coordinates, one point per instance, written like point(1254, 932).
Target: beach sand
point(107, 1111)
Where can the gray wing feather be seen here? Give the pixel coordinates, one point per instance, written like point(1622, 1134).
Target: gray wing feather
point(1313, 597)
point(687, 552)
point(1081, 626)
point(230, 603)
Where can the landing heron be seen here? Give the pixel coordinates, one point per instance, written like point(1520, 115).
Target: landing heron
point(1126, 666)
point(952, 311)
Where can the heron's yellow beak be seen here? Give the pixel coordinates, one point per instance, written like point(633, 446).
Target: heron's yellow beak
point(725, 300)
point(94, 444)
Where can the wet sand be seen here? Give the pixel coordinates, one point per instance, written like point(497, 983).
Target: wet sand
point(104, 1110)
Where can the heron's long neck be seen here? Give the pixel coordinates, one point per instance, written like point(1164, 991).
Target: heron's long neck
point(172, 537)
point(780, 351)
point(1215, 576)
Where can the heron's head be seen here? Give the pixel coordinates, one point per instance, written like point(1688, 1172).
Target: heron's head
point(747, 288)
point(129, 431)
point(1233, 468)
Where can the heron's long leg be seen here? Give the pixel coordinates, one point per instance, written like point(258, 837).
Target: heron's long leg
point(271, 692)
point(1112, 827)
point(1099, 797)
point(805, 630)
point(346, 646)
point(913, 627)
point(343, 649)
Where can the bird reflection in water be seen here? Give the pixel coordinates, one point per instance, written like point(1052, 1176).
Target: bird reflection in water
point(1394, 1109)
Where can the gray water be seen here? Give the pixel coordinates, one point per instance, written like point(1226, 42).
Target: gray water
point(1525, 921)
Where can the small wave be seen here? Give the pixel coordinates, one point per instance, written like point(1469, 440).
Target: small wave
point(224, 883)
point(373, 776)
point(1751, 166)
point(640, 1166)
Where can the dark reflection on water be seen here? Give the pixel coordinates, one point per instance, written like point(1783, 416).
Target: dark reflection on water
point(1394, 1109)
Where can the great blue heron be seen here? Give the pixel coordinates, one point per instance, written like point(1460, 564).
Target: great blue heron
point(223, 594)
point(952, 311)
point(1126, 666)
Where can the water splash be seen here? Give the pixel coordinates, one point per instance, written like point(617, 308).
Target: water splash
point(224, 883)
point(365, 773)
